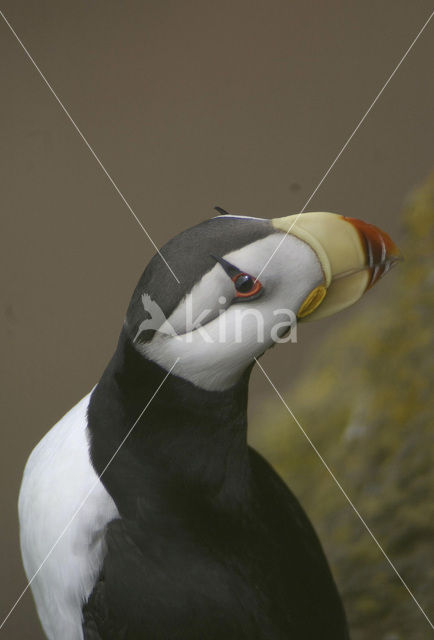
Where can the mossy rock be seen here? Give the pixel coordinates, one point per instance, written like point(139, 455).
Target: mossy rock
point(367, 404)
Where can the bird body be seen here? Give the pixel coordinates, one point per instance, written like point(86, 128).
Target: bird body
point(166, 524)
point(61, 496)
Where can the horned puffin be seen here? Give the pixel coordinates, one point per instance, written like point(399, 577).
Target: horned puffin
point(144, 514)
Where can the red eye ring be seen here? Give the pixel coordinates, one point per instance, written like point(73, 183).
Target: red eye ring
point(242, 281)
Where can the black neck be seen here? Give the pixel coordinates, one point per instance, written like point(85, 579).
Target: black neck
point(188, 442)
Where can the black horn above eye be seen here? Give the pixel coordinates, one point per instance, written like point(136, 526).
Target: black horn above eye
point(230, 269)
point(222, 212)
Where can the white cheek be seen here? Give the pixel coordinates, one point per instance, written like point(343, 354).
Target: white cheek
point(202, 303)
point(215, 355)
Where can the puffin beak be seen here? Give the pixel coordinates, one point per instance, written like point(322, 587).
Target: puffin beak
point(353, 254)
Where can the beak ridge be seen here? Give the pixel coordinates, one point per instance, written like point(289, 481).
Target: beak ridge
point(353, 254)
point(381, 252)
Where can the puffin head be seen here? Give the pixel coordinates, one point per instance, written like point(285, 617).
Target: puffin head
point(243, 284)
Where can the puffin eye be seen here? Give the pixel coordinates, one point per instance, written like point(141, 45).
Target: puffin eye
point(246, 286)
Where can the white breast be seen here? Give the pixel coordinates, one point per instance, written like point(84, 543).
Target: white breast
point(57, 478)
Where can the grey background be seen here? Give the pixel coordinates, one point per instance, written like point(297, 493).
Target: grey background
point(188, 104)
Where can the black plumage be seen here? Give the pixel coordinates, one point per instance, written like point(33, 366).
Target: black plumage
point(211, 544)
point(191, 534)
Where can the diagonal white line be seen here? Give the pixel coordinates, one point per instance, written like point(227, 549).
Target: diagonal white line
point(344, 493)
point(365, 115)
point(260, 366)
point(83, 502)
point(74, 124)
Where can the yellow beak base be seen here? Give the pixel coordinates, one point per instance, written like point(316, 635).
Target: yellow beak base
point(353, 256)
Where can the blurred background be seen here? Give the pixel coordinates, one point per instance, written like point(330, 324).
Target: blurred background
point(245, 105)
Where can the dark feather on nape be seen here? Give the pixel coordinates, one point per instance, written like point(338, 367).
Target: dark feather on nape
point(222, 212)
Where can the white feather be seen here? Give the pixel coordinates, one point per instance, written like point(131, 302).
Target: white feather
point(57, 478)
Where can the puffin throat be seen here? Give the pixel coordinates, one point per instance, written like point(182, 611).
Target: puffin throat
point(189, 442)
